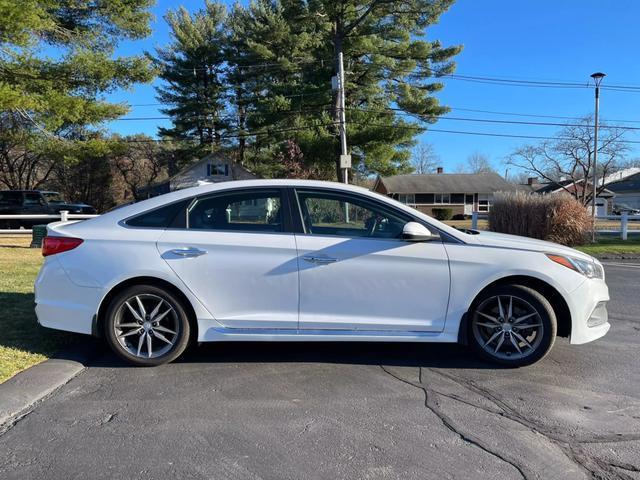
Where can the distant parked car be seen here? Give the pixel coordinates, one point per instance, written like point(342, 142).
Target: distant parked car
point(621, 207)
point(35, 202)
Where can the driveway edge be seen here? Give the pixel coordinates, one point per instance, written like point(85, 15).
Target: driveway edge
point(28, 387)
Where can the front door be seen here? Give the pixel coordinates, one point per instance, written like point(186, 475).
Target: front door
point(238, 259)
point(356, 273)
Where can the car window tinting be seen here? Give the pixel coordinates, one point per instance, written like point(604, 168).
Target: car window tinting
point(257, 211)
point(10, 199)
point(163, 217)
point(31, 199)
point(347, 215)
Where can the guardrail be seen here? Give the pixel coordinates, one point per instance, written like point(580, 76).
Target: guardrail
point(63, 216)
point(624, 220)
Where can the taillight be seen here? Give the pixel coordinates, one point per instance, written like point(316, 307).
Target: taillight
point(53, 245)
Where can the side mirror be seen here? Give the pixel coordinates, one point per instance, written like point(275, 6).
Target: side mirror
point(416, 232)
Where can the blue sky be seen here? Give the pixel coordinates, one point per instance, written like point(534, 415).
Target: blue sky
point(550, 40)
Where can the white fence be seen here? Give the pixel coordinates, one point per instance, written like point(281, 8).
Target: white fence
point(64, 216)
point(624, 220)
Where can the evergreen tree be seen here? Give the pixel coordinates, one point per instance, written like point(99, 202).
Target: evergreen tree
point(56, 63)
point(193, 69)
point(389, 67)
point(64, 88)
point(268, 68)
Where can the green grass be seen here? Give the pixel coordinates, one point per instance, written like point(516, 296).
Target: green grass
point(23, 342)
point(613, 246)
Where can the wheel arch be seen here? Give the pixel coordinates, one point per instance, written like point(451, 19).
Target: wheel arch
point(97, 327)
point(555, 298)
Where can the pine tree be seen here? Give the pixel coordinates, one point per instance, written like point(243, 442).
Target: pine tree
point(390, 70)
point(193, 68)
point(267, 70)
point(57, 61)
point(62, 90)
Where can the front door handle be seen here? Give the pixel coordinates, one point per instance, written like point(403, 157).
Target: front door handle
point(319, 260)
point(187, 252)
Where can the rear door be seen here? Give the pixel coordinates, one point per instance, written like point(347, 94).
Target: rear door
point(238, 255)
point(356, 272)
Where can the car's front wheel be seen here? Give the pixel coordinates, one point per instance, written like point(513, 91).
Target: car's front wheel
point(147, 325)
point(512, 325)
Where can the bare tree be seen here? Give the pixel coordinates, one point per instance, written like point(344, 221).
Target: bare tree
point(140, 163)
point(424, 158)
point(479, 163)
point(25, 162)
point(476, 163)
point(569, 156)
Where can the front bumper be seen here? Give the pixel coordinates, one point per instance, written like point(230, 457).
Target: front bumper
point(588, 306)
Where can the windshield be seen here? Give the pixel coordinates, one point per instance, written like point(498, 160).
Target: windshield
point(53, 197)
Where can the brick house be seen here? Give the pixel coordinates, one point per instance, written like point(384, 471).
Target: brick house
point(463, 193)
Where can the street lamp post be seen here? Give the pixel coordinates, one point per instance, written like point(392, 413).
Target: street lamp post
point(597, 79)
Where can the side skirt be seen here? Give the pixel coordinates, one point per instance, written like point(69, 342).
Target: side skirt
point(291, 335)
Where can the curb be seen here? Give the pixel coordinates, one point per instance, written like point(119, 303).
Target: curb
point(621, 256)
point(28, 387)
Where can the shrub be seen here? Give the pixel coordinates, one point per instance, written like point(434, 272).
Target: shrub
point(442, 213)
point(558, 218)
point(459, 216)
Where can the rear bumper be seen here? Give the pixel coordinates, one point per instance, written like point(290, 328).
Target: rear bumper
point(61, 304)
point(588, 305)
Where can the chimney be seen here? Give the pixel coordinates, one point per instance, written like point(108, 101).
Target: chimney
point(531, 180)
point(439, 170)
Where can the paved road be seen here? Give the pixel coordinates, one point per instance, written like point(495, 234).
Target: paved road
point(349, 411)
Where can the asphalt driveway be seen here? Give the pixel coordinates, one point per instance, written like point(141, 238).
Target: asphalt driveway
point(347, 411)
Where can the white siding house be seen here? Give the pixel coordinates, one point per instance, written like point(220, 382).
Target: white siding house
point(213, 168)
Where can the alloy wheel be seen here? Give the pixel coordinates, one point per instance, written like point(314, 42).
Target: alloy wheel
point(507, 327)
point(146, 326)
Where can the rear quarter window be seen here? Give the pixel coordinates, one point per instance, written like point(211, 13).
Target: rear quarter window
point(168, 216)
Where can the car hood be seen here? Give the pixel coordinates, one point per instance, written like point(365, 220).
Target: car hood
point(502, 240)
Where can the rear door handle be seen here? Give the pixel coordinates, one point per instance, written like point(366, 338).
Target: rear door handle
point(319, 260)
point(188, 252)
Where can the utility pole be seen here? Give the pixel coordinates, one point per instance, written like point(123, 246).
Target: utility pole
point(345, 158)
point(597, 78)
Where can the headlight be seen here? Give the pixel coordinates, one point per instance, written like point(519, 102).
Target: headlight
point(588, 268)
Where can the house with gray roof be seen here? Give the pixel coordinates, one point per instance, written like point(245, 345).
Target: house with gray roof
point(463, 193)
point(213, 168)
point(627, 190)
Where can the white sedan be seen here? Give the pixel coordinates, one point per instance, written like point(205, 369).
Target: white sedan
point(287, 260)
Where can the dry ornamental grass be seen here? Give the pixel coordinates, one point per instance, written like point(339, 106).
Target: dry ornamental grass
point(558, 218)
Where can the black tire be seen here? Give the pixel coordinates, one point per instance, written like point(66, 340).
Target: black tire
point(540, 339)
point(118, 314)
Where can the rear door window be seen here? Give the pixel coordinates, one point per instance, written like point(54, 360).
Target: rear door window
point(248, 211)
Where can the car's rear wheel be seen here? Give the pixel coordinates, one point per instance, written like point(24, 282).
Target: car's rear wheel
point(147, 325)
point(512, 325)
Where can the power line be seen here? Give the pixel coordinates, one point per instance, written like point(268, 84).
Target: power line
point(465, 132)
point(400, 112)
point(239, 134)
point(395, 111)
point(534, 115)
point(474, 110)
